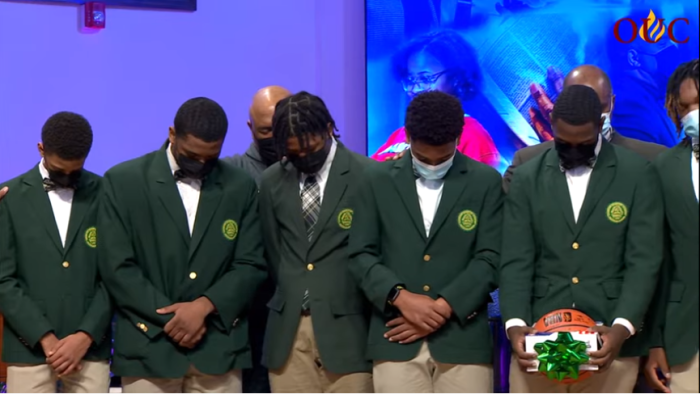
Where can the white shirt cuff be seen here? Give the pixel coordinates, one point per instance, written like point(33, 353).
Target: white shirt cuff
point(625, 323)
point(514, 323)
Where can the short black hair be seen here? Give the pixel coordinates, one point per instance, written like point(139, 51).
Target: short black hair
point(201, 118)
point(435, 118)
point(689, 70)
point(578, 105)
point(453, 52)
point(67, 135)
point(300, 115)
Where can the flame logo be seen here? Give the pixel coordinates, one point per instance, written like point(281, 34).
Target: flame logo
point(649, 34)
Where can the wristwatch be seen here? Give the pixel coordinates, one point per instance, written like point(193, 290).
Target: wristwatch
point(393, 294)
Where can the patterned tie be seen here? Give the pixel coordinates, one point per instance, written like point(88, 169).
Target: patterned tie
point(49, 185)
point(310, 208)
point(696, 151)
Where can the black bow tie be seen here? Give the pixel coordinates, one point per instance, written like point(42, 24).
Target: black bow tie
point(50, 185)
point(179, 175)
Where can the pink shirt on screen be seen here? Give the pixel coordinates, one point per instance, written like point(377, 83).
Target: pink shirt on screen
point(475, 142)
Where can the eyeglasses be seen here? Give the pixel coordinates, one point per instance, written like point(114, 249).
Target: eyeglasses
point(422, 81)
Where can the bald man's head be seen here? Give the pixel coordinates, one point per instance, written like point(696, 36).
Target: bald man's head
point(594, 78)
point(260, 119)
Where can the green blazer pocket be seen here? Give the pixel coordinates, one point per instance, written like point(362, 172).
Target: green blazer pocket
point(676, 292)
point(612, 289)
point(347, 307)
point(276, 303)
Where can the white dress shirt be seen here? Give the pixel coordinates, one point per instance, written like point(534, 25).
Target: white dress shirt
point(694, 169)
point(322, 174)
point(429, 195)
point(577, 179)
point(61, 203)
point(189, 191)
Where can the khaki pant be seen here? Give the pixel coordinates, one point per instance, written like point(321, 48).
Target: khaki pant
point(619, 378)
point(304, 372)
point(193, 382)
point(684, 377)
point(425, 375)
point(26, 378)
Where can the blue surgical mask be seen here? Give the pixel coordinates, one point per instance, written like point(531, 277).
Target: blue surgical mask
point(429, 172)
point(607, 126)
point(690, 124)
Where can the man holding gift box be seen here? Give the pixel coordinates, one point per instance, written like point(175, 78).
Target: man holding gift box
point(676, 339)
point(581, 230)
point(425, 249)
point(181, 255)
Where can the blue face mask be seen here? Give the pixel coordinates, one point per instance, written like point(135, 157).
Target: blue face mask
point(432, 173)
point(607, 126)
point(690, 124)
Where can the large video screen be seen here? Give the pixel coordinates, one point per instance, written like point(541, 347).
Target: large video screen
point(506, 61)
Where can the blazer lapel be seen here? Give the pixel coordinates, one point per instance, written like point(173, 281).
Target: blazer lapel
point(165, 188)
point(405, 182)
point(37, 197)
point(601, 177)
point(209, 199)
point(335, 188)
point(559, 188)
point(455, 182)
point(290, 208)
point(684, 175)
point(82, 201)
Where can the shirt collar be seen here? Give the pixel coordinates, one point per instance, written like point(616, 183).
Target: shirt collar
point(42, 169)
point(171, 159)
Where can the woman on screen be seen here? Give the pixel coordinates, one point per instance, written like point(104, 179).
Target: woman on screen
point(442, 60)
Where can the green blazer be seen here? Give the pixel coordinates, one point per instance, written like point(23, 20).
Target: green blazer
point(458, 261)
point(338, 308)
point(605, 264)
point(45, 286)
point(149, 260)
point(677, 327)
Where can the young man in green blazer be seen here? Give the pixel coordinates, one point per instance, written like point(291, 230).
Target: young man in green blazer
point(425, 248)
point(675, 349)
point(182, 258)
point(583, 229)
point(57, 312)
point(317, 328)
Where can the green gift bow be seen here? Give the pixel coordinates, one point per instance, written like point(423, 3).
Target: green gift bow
point(560, 359)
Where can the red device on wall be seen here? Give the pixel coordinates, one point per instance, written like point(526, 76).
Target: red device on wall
point(94, 15)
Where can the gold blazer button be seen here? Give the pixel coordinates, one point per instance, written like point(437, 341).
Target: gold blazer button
point(574, 280)
point(426, 257)
point(66, 264)
point(426, 288)
point(575, 246)
point(193, 275)
point(309, 267)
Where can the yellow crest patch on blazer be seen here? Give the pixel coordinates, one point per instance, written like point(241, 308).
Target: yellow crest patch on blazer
point(616, 212)
point(230, 229)
point(467, 220)
point(345, 219)
point(91, 237)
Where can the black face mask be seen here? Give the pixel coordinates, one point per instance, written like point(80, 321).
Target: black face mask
point(312, 162)
point(571, 157)
point(61, 179)
point(193, 169)
point(267, 150)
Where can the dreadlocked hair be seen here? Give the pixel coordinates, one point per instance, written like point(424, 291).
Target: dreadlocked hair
point(300, 115)
point(688, 70)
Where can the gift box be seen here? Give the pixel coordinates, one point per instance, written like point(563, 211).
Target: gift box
point(562, 352)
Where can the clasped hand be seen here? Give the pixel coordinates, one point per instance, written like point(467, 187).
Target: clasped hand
point(187, 327)
point(65, 355)
point(420, 316)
